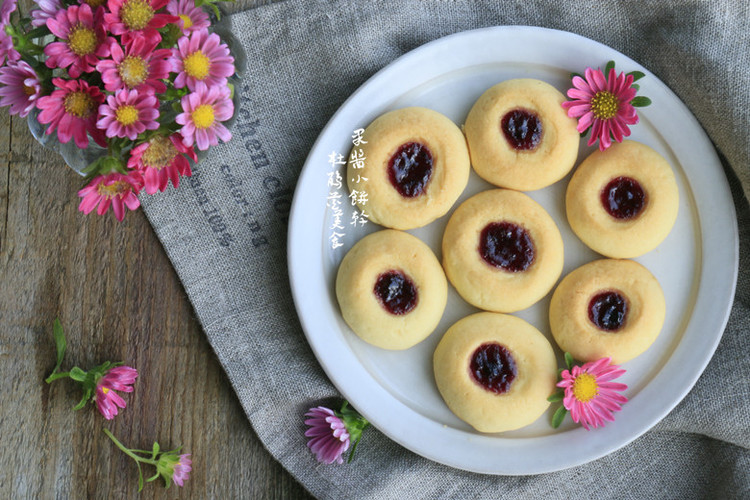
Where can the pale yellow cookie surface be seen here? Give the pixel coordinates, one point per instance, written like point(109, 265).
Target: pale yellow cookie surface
point(487, 411)
point(362, 309)
point(369, 172)
point(490, 287)
point(576, 333)
point(497, 161)
point(622, 238)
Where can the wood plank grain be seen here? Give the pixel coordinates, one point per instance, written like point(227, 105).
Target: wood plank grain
point(118, 298)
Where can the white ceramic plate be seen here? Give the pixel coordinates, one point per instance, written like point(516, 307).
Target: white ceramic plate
point(696, 265)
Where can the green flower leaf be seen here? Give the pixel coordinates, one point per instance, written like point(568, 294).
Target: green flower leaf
point(77, 374)
point(155, 451)
point(85, 399)
point(569, 361)
point(558, 417)
point(140, 477)
point(60, 342)
point(169, 35)
point(640, 101)
point(558, 396)
point(610, 65)
point(636, 87)
point(637, 75)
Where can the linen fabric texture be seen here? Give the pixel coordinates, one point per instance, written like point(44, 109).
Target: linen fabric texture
point(225, 233)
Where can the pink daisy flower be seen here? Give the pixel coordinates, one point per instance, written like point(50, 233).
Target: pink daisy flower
point(47, 9)
point(174, 467)
point(201, 58)
point(7, 7)
point(21, 88)
point(590, 395)
point(127, 113)
point(603, 104)
point(182, 468)
point(329, 438)
point(160, 160)
point(114, 189)
point(137, 18)
point(203, 112)
point(84, 40)
point(71, 110)
point(119, 378)
point(193, 18)
point(139, 67)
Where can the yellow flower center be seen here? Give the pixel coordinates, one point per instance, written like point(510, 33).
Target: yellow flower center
point(186, 21)
point(203, 116)
point(95, 3)
point(82, 40)
point(133, 71)
point(604, 105)
point(78, 104)
point(585, 387)
point(105, 390)
point(110, 191)
point(29, 91)
point(160, 153)
point(197, 65)
point(136, 14)
point(127, 115)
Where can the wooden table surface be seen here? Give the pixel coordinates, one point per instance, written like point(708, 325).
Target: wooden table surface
point(119, 299)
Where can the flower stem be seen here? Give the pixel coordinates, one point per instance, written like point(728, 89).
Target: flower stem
point(56, 376)
point(127, 451)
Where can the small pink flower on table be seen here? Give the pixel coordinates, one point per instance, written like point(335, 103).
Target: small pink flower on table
point(590, 395)
point(99, 383)
point(328, 436)
point(71, 110)
point(331, 432)
point(138, 66)
point(116, 190)
point(203, 112)
point(182, 468)
point(160, 160)
point(169, 465)
point(119, 378)
point(21, 88)
point(201, 57)
point(84, 40)
point(173, 467)
point(193, 18)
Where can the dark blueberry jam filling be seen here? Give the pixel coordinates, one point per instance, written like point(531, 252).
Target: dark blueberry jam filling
point(410, 169)
point(507, 246)
point(608, 311)
point(396, 292)
point(522, 129)
point(493, 367)
point(623, 198)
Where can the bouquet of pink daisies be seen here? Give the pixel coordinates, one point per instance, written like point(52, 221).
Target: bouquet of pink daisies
point(143, 82)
